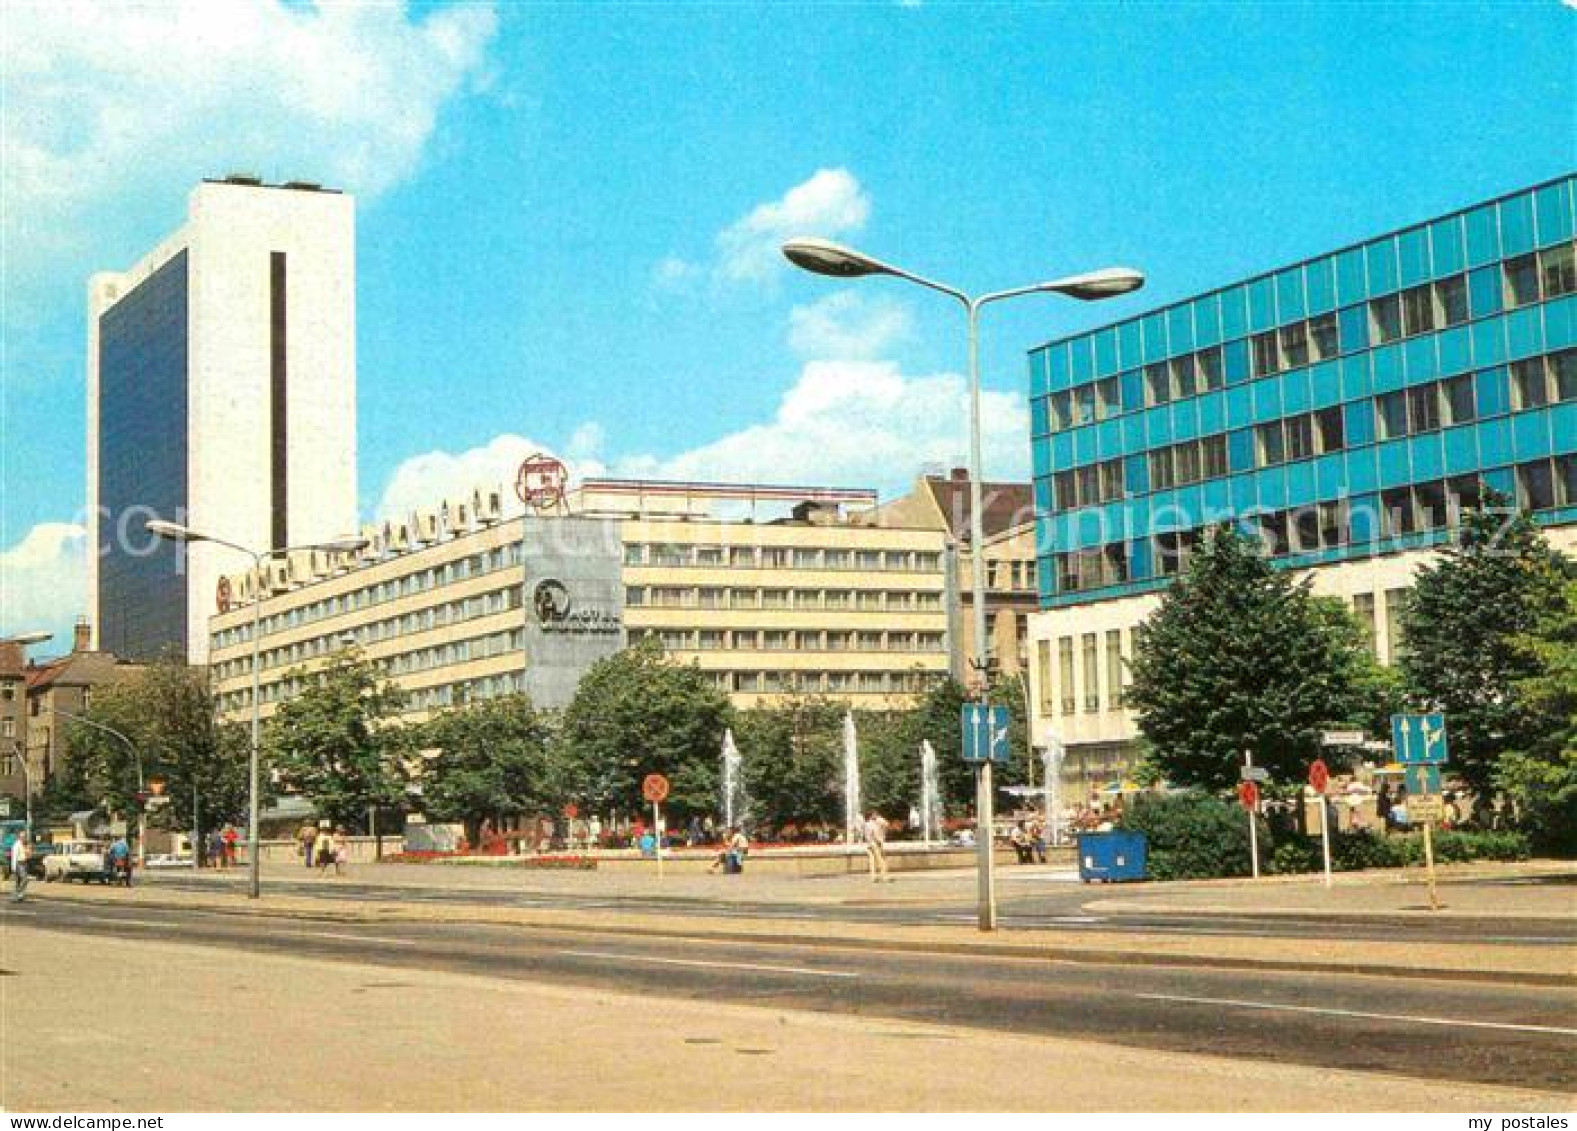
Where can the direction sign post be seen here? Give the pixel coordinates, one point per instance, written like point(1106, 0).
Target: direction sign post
point(1320, 780)
point(1419, 742)
point(985, 728)
point(655, 789)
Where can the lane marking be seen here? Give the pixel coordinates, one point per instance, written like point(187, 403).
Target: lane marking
point(119, 922)
point(350, 938)
point(1448, 1021)
point(711, 965)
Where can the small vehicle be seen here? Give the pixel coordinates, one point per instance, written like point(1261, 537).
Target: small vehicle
point(83, 860)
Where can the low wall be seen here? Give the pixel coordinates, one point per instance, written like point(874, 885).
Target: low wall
point(363, 850)
point(807, 862)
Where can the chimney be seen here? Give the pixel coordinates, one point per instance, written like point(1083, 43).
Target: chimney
point(81, 635)
point(960, 475)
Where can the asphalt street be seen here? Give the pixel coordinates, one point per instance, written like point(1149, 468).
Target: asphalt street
point(1049, 905)
point(1446, 1030)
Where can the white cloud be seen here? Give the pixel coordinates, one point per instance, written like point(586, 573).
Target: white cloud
point(109, 103)
point(43, 582)
point(829, 204)
point(423, 481)
point(858, 424)
point(848, 325)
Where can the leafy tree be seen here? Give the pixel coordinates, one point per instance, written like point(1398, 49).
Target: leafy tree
point(939, 718)
point(1377, 689)
point(1463, 630)
point(167, 710)
point(489, 759)
point(793, 762)
point(637, 713)
point(1239, 657)
point(1542, 779)
point(332, 742)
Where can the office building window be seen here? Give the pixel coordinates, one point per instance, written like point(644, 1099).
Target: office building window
point(1530, 386)
point(1395, 606)
point(1183, 377)
point(1295, 345)
point(1558, 271)
point(1418, 310)
point(1299, 437)
point(1092, 679)
point(1043, 675)
point(1397, 513)
point(1266, 356)
point(1211, 368)
point(1108, 397)
point(1536, 485)
point(1157, 384)
point(1161, 469)
point(1457, 401)
point(1521, 280)
point(1363, 610)
point(1451, 297)
point(1423, 408)
point(1114, 667)
point(1065, 674)
point(1385, 319)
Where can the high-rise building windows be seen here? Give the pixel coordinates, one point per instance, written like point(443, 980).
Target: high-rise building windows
point(1521, 280)
point(1092, 679)
point(1043, 675)
point(1114, 668)
point(1385, 319)
point(1065, 674)
point(1558, 271)
point(1363, 610)
point(1395, 606)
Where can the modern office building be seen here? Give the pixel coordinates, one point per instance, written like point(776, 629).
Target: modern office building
point(221, 395)
point(462, 604)
point(1348, 407)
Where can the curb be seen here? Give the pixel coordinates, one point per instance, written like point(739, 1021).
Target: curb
point(1355, 915)
point(979, 948)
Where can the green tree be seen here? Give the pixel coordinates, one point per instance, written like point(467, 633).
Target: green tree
point(333, 742)
point(490, 759)
point(1542, 778)
point(1239, 657)
point(1463, 629)
point(168, 712)
point(792, 758)
point(637, 713)
point(939, 718)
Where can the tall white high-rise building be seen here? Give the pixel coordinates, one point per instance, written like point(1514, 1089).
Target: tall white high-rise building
point(221, 395)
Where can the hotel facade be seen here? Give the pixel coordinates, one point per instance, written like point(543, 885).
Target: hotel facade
point(462, 604)
point(1346, 409)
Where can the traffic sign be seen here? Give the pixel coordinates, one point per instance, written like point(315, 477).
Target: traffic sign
point(1425, 807)
point(1341, 738)
point(1419, 738)
point(655, 788)
point(985, 733)
point(1319, 775)
point(572, 811)
point(1248, 795)
point(1254, 773)
point(1421, 778)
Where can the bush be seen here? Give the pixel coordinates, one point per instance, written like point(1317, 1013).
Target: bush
point(1193, 836)
point(1296, 855)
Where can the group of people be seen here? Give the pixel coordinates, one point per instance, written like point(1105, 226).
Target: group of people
point(323, 847)
point(221, 847)
point(1028, 838)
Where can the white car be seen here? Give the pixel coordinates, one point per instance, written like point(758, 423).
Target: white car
point(79, 860)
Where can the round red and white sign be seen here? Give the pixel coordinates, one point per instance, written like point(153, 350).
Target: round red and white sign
point(655, 788)
point(541, 481)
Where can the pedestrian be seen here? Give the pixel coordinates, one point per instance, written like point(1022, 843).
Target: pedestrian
point(306, 840)
point(216, 849)
point(341, 848)
point(323, 849)
point(594, 832)
point(1037, 839)
point(876, 846)
point(119, 862)
point(21, 853)
point(1018, 837)
point(228, 838)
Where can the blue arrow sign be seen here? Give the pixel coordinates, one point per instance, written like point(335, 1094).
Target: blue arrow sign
point(1419, 739)
point(1422, 777)
point(985, 733)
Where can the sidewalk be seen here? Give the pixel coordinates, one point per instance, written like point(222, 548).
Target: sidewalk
point(1484, 962)
point(405, 1040)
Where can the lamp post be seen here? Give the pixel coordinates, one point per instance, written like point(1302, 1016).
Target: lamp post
point(178, 533)
point(823, 257)
point(142, 854)
point(22, 640)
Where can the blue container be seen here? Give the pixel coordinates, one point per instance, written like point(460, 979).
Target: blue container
point(1114, 857)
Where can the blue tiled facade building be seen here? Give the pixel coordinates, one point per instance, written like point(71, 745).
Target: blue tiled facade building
point(1346, 407)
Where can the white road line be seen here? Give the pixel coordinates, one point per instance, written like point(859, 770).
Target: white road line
point(123, 922)
point(375, 940)
point(711, 965)
point(1452, 1022)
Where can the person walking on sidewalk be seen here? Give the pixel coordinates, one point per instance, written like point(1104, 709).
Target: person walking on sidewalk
point(20, 855)
point(306, 839)
point(341, 846)
point(876, 846)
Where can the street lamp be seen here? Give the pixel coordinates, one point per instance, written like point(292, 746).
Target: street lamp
point(178, 533)
point(23, 639)
point(823, 257)
point(142, 851)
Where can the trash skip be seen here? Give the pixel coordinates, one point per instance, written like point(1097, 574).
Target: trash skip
point(1112, 857)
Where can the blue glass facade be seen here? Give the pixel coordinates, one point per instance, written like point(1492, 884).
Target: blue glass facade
point(1345, 406)
point(143, 464)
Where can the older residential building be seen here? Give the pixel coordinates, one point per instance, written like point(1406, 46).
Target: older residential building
point(462, 604)
point(13, 721)
point(61, 687)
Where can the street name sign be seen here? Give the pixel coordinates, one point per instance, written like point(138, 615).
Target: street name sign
point(985, 733)
point(1254, 773)
point(1419, 738)
point(1341, 738)
point(1425, 807)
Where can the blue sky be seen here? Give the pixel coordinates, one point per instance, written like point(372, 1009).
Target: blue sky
point(567, 213)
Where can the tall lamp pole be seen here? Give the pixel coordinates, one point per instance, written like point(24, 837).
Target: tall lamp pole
point(823, 257)
point(22, 640)
point(178, 533)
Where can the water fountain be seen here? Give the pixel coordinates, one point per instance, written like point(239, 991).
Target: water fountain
point(735, 801)
point(930, 793)
point(851, 780)
point(1051, 764)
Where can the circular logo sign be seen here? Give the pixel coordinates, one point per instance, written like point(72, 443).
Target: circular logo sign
point(655, 788)
point(550, 601)
point(541, 480)
point(1319, 775)
point(222, 596)
point(1248, 794)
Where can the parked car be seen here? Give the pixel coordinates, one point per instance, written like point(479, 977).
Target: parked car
point(78, 860)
